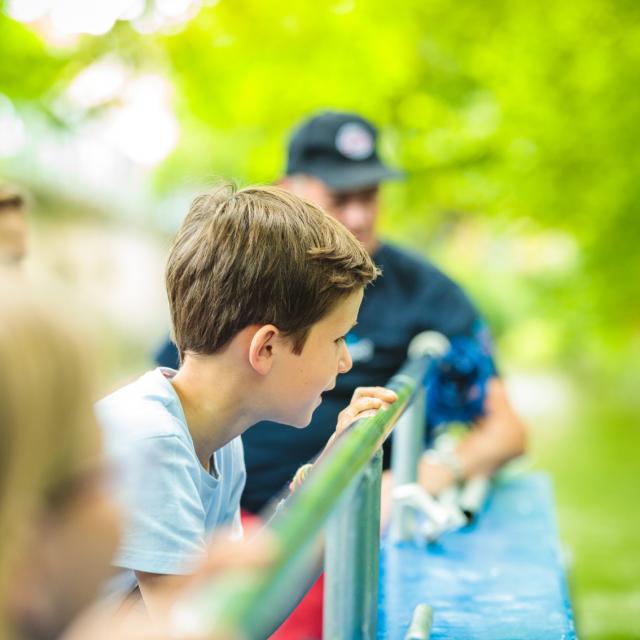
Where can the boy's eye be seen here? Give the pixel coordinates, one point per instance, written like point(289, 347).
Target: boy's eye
point(340, 339)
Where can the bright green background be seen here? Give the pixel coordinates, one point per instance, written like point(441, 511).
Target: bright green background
point(517, 124)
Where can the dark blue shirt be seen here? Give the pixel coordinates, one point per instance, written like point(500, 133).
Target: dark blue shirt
point(411, 296)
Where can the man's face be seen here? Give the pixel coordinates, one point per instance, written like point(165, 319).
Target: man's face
point(357, 210)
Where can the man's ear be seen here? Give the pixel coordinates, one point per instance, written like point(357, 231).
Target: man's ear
point(261, 348)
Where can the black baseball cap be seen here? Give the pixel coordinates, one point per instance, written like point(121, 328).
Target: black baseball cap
point(340, 149)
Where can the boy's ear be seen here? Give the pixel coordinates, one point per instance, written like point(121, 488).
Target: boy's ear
point(261, 348)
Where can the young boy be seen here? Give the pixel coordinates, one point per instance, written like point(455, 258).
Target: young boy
point(263, 287)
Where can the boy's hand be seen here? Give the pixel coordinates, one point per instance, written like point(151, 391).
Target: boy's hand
point(365, 402)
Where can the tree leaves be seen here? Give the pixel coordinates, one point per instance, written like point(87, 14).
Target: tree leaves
point(505, 110)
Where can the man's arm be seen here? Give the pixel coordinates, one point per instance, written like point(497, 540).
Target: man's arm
point(496, 438)
point(499, 436)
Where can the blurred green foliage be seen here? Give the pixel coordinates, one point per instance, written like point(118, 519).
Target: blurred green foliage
point(592, 453)
point(28, 71)
point(517, 125)
point(502, 111)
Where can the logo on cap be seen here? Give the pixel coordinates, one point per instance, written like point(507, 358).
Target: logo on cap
point(354, 141)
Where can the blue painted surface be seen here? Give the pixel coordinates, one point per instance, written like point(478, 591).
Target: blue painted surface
point(498, 579)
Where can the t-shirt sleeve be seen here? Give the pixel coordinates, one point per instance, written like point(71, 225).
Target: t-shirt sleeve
point(164, 532)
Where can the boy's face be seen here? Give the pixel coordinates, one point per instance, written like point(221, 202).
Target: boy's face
point(300, 380)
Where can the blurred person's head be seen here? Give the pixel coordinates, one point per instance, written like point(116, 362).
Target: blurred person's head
point(332, 160)
point(258, 255)
point(271, 283)
point(59, 528)
point(13, 226)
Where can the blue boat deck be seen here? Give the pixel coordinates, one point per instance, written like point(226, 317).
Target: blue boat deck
point(500, 578)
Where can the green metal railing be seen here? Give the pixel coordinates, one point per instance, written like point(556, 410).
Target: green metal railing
point(344, 488)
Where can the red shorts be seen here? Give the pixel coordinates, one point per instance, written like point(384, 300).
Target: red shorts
point(305, 621)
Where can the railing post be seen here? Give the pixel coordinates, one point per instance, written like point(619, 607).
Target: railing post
point(408, 445)
point(352, 556)
point(408, 441)
point(413, 510)
point(421, 622)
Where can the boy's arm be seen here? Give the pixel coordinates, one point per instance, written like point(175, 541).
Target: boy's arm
point(159, 591)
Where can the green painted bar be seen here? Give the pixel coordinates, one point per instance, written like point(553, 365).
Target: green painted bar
point(408, 441)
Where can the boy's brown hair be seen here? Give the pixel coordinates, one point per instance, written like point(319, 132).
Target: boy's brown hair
point(258, 255)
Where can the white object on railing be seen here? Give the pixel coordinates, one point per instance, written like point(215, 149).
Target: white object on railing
point(408, 441)
point(418, 515)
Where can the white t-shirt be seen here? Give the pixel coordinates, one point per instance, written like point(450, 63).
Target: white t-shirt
point(171, 502)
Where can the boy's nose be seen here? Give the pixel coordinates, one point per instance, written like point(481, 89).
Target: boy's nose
point(345, 363)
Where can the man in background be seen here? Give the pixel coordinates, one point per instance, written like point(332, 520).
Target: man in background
point(333, 161)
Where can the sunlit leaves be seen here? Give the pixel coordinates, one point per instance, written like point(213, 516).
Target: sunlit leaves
point(496, 110)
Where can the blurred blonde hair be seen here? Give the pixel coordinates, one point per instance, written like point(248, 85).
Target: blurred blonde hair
point(12, 198)
point(46, 415)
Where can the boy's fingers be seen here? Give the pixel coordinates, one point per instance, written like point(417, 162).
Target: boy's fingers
point(379, 392)
point(370, 403)
point(364, 404)
point(358, 409)
point(367, 414)
point(369, 391)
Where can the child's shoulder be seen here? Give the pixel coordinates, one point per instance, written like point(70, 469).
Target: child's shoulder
point(145, 408)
